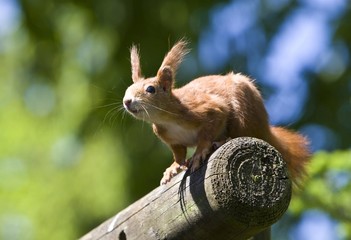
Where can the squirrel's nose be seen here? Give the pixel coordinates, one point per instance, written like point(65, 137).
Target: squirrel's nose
point(127, 103)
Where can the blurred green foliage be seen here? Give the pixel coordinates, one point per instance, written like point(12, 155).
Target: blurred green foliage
point(327, 189)
point(69, 155)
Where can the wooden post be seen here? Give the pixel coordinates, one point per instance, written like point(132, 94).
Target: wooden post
point(240, 192)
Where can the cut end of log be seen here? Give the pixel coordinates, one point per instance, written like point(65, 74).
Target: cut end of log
point(251, 181)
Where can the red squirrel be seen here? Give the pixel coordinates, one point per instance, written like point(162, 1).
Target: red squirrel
point(206, 111)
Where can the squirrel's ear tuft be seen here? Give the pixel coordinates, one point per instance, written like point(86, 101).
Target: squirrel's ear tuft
point(174, 57)
point(165, 77)
point(135, 62)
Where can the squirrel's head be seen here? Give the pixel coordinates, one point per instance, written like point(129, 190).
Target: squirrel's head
point(150, 98)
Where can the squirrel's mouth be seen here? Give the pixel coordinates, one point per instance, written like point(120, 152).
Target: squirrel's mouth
point(131, 109)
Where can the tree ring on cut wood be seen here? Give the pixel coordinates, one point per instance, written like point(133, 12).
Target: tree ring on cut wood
point(251, 179)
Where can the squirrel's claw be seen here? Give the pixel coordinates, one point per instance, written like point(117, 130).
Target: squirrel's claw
point(172, 171)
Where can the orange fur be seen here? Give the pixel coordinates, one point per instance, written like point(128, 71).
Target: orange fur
point(135, 62)
point(206, 111)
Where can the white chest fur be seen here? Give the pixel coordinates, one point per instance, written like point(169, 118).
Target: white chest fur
point(177, 134)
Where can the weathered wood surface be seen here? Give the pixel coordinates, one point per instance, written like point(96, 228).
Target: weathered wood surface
point(241, 191)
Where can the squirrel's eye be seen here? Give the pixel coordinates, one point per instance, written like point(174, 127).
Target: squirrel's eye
point(151, 89)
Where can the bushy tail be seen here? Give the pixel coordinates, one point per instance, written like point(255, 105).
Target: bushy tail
point(294, 149)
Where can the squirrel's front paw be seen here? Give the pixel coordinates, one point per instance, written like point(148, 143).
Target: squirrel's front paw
point(170, 172)
point(198, 158)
